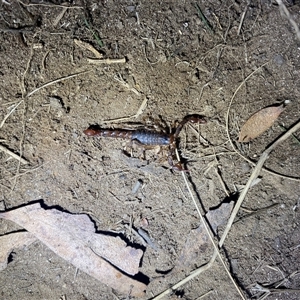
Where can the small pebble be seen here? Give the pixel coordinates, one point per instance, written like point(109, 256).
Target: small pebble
point(137, 186)
point(278, 59)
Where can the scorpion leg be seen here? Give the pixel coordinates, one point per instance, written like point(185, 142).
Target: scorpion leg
point(177, 166)
point(190, 118)
point(140, 148)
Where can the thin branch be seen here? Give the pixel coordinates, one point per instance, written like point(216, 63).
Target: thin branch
point(89, 47)
point(15, 156)
point(107, 61)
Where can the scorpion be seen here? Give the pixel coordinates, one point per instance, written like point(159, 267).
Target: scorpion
point(149, 138)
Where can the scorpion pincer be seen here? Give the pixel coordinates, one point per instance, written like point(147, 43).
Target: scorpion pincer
point(149, 138)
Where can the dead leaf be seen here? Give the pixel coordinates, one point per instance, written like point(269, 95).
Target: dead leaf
point(73, 238)
point(259, 123)
point(12, 241)
point(197, 241)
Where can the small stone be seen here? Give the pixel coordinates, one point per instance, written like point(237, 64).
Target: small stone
point(278, 59)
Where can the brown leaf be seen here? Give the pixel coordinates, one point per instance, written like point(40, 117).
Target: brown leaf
point(12, 241)
point(259, 123)
point(73, 238)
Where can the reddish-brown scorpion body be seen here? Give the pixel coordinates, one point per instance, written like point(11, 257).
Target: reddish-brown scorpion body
point(149, 138)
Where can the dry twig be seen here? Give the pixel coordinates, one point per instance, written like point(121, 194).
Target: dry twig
point(242, 19)
point(120, 79)
point(60, 16)
point(89, 47)
point(6, 117)
point(15, 156)
point(107, 61)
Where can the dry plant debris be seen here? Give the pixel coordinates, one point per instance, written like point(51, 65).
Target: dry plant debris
point(73, 238)
point(98, 60)
point(259, 122)
point(17, 157)
point(89, 47)
point(107, 61)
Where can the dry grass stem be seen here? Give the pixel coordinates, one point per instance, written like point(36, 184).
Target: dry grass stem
point(206, 294)
point(199, 136)
point(274, 287)
point(89, 47)
point(222, 182)
point(56, 81)
point(22, 83)
point(242, 19)
point(187, 279)
point(148, 61)
point(15, 156)
point(50, 4)
point(201, 91)
point(218, 154)
point(107, 61)
point(20, 145)
point(126, 85)
point(256, 213)
point(27, 171)
point(44, 61)
point(6, 117)
point(8, 103)
point(59, 16)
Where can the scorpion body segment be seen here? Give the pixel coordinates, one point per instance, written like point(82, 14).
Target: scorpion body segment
point(144, 137)
point(149, 138)
point(122, 134)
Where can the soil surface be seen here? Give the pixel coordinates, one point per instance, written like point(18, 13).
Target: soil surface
point(177, 62)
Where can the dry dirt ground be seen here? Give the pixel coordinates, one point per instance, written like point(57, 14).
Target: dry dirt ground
point(179, 65)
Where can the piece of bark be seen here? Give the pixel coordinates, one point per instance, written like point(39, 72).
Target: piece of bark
point(73, 238)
